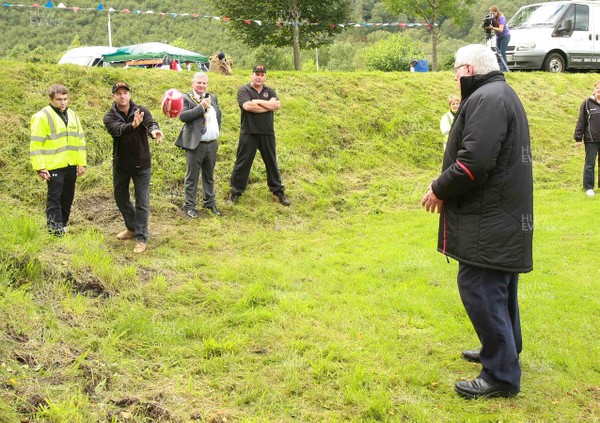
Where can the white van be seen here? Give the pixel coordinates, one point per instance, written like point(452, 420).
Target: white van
point(555, 36)
point(86, 56)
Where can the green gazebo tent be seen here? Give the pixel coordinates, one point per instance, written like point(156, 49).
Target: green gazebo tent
point(153, 51)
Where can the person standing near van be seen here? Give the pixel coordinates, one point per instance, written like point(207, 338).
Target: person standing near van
point(58, 154)
point(587, 131)
point(502, 35)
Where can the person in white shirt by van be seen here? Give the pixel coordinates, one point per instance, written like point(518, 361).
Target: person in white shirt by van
point(587, 132)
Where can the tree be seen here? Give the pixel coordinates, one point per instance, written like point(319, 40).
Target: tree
point(433, 12)
point(302, 24)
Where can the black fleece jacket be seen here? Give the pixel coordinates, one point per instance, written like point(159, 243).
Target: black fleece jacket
point(588, 124)
point(130, 145)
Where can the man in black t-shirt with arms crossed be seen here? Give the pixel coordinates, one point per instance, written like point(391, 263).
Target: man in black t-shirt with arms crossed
point(257, 103)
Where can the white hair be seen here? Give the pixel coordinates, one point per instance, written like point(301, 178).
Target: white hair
point(199, 75)
point(480, 57)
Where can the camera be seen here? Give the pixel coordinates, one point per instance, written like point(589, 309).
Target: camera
point(488, 20)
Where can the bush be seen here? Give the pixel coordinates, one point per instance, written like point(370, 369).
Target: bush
point(37, 55)
point(274, 58)
point(341, 56)
point(393, 53)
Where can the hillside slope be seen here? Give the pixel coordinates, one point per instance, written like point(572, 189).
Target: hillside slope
point(335, 309)
point(357, 133)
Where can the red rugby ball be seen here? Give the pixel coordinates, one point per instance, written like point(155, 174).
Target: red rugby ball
point(172, 103)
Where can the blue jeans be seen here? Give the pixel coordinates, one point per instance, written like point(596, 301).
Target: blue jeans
point(136, 219)
point(591, 152)
point(502, 45)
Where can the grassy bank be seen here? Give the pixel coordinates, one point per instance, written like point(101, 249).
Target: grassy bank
point(335, 309)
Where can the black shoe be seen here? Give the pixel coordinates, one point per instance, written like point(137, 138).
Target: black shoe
point(214, 210)
point(472, 355)
point(58, 233)
point(282, 198)
point(192, 213)
point(233, 198)
point(479, 388)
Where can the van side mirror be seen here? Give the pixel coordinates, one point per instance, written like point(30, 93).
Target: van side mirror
point(565, 26)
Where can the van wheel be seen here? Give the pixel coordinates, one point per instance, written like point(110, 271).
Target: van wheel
point(554, 63)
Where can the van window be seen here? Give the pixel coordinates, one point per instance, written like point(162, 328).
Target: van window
point(537, 15)
point(580, 16)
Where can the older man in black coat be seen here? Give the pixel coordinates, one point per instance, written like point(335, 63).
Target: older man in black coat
point(485, 196)
point(198, 137)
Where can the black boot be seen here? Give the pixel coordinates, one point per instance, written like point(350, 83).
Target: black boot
point(282, 198)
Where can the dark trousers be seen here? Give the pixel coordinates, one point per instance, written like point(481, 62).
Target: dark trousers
point(246, 152)
point(591, 152)
point(202, 158)
point(490, 298)
point(136, 219)
point(61, 191)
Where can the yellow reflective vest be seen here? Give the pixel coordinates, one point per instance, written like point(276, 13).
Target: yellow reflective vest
point(54, 144)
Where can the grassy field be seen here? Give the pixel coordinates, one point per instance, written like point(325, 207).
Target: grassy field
point(335, 309)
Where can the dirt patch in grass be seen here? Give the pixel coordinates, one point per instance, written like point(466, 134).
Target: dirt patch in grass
point(31, 403)
point(134, 406)
point(14, 335)
point(87, 284)
point(97, 376)
point(98, 207)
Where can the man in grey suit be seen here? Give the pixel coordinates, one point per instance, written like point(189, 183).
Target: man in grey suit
point(198, 137)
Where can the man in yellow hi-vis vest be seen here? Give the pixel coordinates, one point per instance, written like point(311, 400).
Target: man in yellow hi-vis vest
point(58, 154)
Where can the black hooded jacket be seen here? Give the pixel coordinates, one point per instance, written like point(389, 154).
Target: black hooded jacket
point(588, 124)
point(486, 181)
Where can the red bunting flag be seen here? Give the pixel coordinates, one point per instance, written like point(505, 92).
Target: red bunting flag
point(278, 23)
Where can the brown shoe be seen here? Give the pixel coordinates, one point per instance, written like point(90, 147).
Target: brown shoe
point(140, 247)
point(126, 234)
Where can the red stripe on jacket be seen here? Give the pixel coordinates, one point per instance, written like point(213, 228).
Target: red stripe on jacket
point(463, 167)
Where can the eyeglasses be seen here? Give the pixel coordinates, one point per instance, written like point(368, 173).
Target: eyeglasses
point(456, 68)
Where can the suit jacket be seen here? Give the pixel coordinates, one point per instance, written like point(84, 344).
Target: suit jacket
point(193, 117)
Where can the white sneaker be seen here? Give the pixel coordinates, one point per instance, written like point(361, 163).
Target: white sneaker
point(590, 193)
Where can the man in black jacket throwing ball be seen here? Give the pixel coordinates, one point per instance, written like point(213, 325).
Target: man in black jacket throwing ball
point(485, 197)
point(130, 125)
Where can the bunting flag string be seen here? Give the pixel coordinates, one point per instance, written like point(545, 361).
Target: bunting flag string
point(277, 23)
